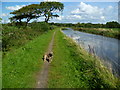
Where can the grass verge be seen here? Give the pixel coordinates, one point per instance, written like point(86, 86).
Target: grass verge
point(73, 67)
point(20, 65)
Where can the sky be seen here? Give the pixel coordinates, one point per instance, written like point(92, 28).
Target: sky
point(83, 11)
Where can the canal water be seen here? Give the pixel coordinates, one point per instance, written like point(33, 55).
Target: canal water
point(107, 49)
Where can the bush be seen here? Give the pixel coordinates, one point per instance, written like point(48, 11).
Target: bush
point(112, 24)
point(14, 37)
point(41, 26)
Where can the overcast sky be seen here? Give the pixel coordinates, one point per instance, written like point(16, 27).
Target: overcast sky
point(77, 11)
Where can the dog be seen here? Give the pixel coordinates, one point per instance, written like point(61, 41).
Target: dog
point(48, 57)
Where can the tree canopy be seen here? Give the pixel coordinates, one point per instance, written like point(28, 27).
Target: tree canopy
point(28, 12)
point(49, 9)
point(34, 11)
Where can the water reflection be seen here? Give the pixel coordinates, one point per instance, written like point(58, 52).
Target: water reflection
point(104, 47)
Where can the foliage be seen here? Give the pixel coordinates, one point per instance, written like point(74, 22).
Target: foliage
point(110, 29)
point(113, 24)
point(28, 12)
point(35, 11)
point(14, 37)
point(49, 8)
point(0, 20)
point(40, 26)
point(109, 32)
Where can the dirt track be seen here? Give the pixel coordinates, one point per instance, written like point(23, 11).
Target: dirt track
point(43, 75)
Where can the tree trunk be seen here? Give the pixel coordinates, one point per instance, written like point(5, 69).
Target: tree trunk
point(46, 18)
point(27, 22)
point(46, 21)
point(20, 21)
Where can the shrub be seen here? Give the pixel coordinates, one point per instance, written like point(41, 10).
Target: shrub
point(14, 37)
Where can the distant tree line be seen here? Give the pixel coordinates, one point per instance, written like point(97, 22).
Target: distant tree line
point(112, 24)
point(34, 11)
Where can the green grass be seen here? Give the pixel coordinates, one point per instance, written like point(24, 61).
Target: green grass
point(72, 67)
point(21, 65)
point(109, 32)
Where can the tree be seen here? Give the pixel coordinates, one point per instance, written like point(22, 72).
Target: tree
point(112, 24)
point(49, 9)
point(28, 12)
point(34, 11)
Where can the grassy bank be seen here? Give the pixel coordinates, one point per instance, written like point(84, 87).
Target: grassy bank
point(109, 32)
point(14, 37)
point(20, 65)
point(72, 67)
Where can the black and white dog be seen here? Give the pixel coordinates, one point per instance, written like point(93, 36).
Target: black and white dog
point(48, 57)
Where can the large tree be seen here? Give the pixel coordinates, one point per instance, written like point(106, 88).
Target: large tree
point(34, 11)
point(50, 9)
point(28, 12)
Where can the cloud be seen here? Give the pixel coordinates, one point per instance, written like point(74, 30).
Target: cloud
point(110, 7)
point(77, 16)
point(15, 7)
point(41, 19)
point(102, 17)
point(4, 14)
point(66, 19)
point(60, 18)
point(86, 12)
point(5, 21)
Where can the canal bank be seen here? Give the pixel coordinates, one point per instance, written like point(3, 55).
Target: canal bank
point(108, 32)
point(103, 47)
point(73, 67)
